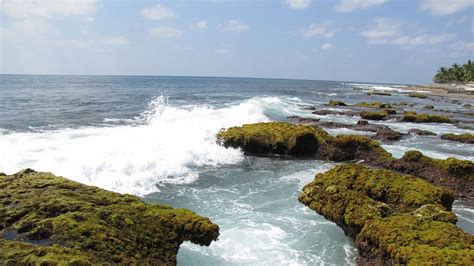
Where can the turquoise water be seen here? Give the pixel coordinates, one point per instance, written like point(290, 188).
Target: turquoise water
point(154, 137)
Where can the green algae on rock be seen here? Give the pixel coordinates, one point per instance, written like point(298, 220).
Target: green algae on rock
point(336, 103)
point(418, 95)
point(464, 138)
point(373, 105)
point(49, 219)
point(281, 138)
point(425, 118)
point(452, 173)
point(371, 115)
point(274, 138)
point(394, 218)
point(380, 93)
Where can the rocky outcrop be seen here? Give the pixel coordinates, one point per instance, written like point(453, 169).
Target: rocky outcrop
point(387, 135)
point(452, 173)
point(49, 220)
point(280, 138)
point(393, 218)
point(285, 139)
point(425, 118)
point(275, 138)
point(336, 103)
point(371, 115)
point(373, 105)
point(463, 138)
point(418, 95)
point(421, 132)
point(304, 120)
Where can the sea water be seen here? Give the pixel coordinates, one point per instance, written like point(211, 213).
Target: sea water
point(155, 137)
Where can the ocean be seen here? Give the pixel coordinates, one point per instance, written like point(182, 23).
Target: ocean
point(155, 137)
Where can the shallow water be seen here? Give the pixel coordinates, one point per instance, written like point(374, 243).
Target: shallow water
point(155, 137)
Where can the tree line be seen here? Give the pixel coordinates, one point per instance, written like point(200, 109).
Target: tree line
point(456, 74)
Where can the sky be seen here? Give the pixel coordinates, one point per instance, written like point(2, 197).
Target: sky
point(392, 41)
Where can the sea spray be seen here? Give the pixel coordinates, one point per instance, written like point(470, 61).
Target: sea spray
point(167, 147)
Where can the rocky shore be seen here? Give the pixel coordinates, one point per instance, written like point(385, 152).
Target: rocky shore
point(393, 218)
point(398, 211)
point(49, 220)
point(290, 140)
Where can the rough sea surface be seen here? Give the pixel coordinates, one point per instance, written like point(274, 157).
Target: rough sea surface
point(155, 137)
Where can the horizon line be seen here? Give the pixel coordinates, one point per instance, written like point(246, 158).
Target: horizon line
point(197, 76)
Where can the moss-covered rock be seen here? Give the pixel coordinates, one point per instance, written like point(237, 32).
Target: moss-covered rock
point(464, 138)
point(394, 218)
point(336, 103)
point(418, 95)
point(387, 135)
point(49, 219)
point(373, 105)
point(425, 118)
point(379, 93)
point(371, 115)
point(353, 147)
point(280, 138)
point(274, 138)
point(452, 173)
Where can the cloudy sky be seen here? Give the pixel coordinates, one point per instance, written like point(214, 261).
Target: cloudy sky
point(401, 41)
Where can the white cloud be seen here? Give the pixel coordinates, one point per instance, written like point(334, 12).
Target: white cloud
point(200, 25)
point(327, 46)
point(96, 44)
point(464, 47)
point(422, 39)
point(47, 9)
point(352, 5)
point(388, 31)
point(158, 12)
point(445, 7)
point(223, 51)
point(382, 28)
point(27, 28)
point(234, 25)
point(319, 30)
point(166, 32)
point(116, 40)
point(298, 4)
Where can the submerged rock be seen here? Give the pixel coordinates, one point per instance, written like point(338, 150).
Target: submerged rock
point(380, 93)
point(304, 120)
point(373, 105)
point(425, 118)
point(393, 218)
point(421, 132)
point(418, 95)
point(45, 219)
point(464, 138)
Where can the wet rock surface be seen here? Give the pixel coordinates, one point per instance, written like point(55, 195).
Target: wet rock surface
point(285, 139)
point(393, 218)
point(49, 220)
point(463, 138)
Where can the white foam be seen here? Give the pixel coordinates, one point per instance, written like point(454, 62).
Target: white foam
point(167, 147)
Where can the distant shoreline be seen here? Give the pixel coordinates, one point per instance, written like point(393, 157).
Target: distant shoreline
point(447, 90)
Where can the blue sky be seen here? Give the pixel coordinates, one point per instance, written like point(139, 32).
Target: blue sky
point(402, 41)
